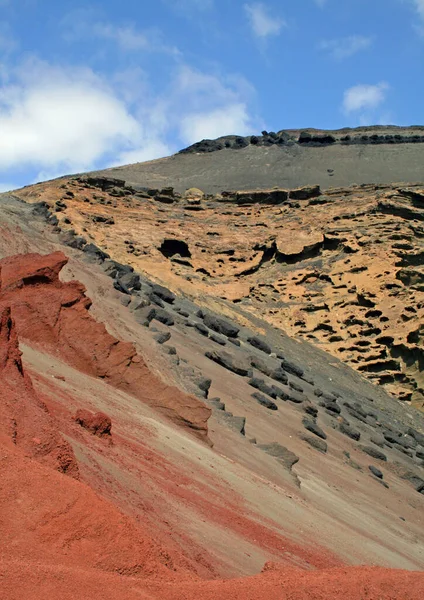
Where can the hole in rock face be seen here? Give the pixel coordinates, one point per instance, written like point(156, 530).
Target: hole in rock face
point(171, 247)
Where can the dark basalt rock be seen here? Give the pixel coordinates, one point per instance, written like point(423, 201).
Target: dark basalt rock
point(221, 326)
point(316, 139)
point(204, 385)
point(228, 361)
point(373, 452)
point(260, 344)
point(69, 238)
point(162, 338)
point(170, 350)
point(279, 375)
point(131, 281)
point(115, 269)
point(264, 401)
point(236, 423)
point(121, 287)
point(378, 440)
point(262, 386)
point(201, 329)
point(163, 293)
point(218, 339)
point(376, 472)
point(161, 315)
point(331, 407)
point(311, 426)
point(95, 252)
point(287, 457)
point(104, 183)
point(203, 146)
point(295, 397)
point(216, 403)
point(290, 367)
point(315, 442)
point(156, 300)
point(295, 386)
point(311, 410)
point(403, 450)
point(419, 437)
point(349, 431)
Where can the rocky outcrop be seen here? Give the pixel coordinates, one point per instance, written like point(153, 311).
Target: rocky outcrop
point(340, 268)
point(25, 421)
point(314, 138)
point(56, 316)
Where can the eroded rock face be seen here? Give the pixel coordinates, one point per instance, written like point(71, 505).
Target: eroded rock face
point(56, 315)
point(341, 268)
point(25, 421)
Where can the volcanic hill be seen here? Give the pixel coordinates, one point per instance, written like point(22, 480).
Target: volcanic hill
point(211, 374)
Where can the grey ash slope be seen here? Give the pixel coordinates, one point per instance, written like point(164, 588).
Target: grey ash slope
point(288, 159)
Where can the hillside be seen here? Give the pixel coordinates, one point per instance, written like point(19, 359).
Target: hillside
point(216, 393)
point(327, 158)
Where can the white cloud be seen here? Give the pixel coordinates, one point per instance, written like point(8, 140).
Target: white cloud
point(320, 3)
point(65, 118)
point(364, 97)
point(346, 47)
point(233, 119)
point(149, 151)
point(262, 22)
point(211, 105)
point(59, 120)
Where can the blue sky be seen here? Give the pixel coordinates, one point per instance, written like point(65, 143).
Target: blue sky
point(86, 85)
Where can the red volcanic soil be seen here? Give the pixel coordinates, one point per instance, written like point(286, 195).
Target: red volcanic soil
point(56, 316)
point(59, 538)
point(24, 419)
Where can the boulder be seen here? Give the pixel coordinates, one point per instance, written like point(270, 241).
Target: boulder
point(162, 338)
point(290, 367)
point(376, 472)
point(315, 442)
point(260, 344)
point(96, 423)
point(163, 293)
point(230, 362)
point(218, 339)
point(161, 315)
point(201, 329)
point(264, 401)
point(373, 452)
point(262, 386)
point(311, 426)
point(220, 325)
point(95, 252)
point(285, 456)
point(350, 431)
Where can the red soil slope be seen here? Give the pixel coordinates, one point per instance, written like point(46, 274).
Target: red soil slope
point(24, 419)
point(55, 315)
point(59, 539)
